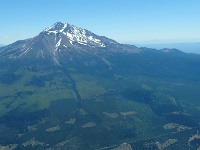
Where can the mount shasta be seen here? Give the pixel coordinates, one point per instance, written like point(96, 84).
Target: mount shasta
point(68, 88)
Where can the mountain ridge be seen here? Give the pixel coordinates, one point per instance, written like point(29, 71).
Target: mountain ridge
point(57, 94)
point(60, 38)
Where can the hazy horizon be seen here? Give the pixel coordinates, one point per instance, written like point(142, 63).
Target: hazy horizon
point(135, 21)
point(188, 47)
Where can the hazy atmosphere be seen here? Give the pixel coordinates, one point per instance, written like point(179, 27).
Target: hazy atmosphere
point(129, 21)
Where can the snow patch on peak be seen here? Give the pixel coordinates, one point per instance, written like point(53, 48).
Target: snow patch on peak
point(83, 37)
point(58, 43)
point(57, 27)
point(76, 34)
point(65, 25)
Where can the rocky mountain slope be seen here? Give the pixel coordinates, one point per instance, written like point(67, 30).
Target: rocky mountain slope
point(68, 88)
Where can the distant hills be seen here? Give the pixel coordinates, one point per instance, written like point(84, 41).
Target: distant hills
point(192, 47)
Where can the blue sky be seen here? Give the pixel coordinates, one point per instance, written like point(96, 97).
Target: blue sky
point(126, 21)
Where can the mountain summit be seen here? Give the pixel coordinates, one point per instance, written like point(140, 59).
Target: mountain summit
point(68, 88)
point(74, 34)
point(62, 39)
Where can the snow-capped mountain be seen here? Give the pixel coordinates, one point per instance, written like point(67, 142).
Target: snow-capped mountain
point(63, 39)
point(74, 34)
point(68, 88)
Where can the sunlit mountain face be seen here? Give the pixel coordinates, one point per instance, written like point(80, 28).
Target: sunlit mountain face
point(68, 88)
